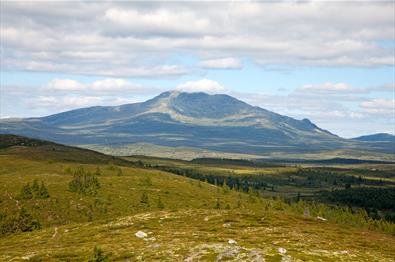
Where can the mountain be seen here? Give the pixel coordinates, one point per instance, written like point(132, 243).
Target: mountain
point(380, 137)
point(178, 119)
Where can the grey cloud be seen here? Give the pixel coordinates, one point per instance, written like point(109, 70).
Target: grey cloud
point(140, 39)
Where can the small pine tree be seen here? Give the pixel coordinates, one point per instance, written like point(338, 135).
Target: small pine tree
point(84, 182)
point(26, 192)
point(99, 256)
point(43, 191)
point(26, 222)
point(35, 187)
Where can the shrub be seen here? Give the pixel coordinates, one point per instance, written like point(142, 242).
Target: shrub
point(42, 192)
point(84, 182)
point(26, 192)
point(35, 187)
point(99, 256)
point(34, 191)
point(21, 222)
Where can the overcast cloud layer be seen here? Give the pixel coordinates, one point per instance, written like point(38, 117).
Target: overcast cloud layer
point(120, 42)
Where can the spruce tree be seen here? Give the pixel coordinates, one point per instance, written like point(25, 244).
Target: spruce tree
point(35, 187)
point(99, 256)
point(26, 192)
point(43, 192)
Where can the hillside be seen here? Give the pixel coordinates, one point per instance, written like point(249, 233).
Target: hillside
point(30, 148)
point(191, 120)
point(180, 219)
point(381, 137)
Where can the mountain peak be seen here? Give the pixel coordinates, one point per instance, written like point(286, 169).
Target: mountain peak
point(199, 104)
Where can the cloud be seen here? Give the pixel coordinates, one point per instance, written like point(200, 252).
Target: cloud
point(339, 107)
point(68, 101)
point(107, 85)
point(64, 85)
point(203, 85)
point(390, 87)
point(159, 22)
point(133, 39)
point(327, 87)
point(65, 94)
point(379, 106)
point(222, 63)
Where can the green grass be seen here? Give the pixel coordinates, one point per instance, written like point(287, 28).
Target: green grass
point(118, 195)
point(200, 234)
point(190, 226)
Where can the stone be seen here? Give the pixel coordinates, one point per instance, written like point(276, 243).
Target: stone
point(141, 234)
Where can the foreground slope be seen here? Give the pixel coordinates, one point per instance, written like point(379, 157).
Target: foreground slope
point(183, 219)
point(202, 235)
point(177, 119)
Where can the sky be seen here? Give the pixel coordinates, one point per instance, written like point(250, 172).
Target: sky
point(332, 62)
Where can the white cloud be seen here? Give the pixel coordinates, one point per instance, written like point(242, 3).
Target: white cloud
point(379, 106)
point(159, 22)
point(222, 63)
point(68, 101)
point(111, 84)
point(327, 87)
point(107, 85)
point(203, 85)
point(64, 85)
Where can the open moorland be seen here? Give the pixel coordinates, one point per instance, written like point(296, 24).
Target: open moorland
point(61, 203)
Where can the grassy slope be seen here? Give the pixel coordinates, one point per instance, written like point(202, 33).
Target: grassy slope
point(36, 149)
point(189, 227)
point(200, 235)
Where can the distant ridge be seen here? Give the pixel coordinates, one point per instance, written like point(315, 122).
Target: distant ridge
point(380, 137)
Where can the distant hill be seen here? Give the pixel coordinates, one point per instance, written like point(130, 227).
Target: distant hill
point(380, 137)
point(44, 150)
point(193, 120)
